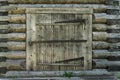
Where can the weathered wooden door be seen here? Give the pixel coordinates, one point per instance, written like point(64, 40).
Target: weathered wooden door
point(59, 39)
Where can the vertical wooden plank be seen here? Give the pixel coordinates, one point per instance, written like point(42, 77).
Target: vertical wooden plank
point(89, 50)
point(41, 46)
point(88, 33)
point(28, 57)
point(31, 49)
point(34, 38)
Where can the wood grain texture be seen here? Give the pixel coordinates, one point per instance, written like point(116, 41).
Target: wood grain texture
point(30, 50)
point(20, 28)
point(104, 63)
point(51, 26)
point(13, 65)
point(56, 73)
point(60, 10)
point(97, 19)
point(23, 10)
point(108, 37)
point(105, 35)
point(13, 55)
point(105, 54)
point(17, 37)
point(107, 2)
point(12, 28)
point(15, 46)
point(63, 78)
point(97, 45)
point(13, 18)
point(97, 54)
point(57, 2)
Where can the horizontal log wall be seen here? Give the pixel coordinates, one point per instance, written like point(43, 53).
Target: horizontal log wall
point(106, 31)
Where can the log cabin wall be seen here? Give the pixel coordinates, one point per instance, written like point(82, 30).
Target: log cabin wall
point(106, 31)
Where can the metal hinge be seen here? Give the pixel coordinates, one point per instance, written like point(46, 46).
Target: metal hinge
point(56, 41)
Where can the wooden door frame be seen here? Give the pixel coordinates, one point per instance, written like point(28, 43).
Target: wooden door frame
point(30, 25)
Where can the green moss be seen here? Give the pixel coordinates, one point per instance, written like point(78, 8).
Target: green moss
point(117, 75)
point(68, 74)
point(14, 77)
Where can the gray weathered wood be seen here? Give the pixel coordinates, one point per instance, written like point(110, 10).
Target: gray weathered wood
point(100, 10)
point(104, 36)
point(17, 46)
point(112, 2)
point(13, 65)
point(13, 18)
point(63, 78)
point(105, 54)
point(105, 27)
point(57, 2)
point(49, 28)
point(13, 55)
point(56, 73)
point(12, 28)
point(97, 19)
point(60, 10)
point(20, 28)
point(12, 37)
point(97, 45)
point(104, 63)
point(104, 45)
point(97, 54)
point(31, 56)
point(102, 42)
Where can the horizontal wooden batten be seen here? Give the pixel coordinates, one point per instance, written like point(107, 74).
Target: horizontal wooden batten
point(20, 64)
point(105, 54)
point(106, 28)
point(13, 55)
point(12, 28)
point(15, 46)
point(106, 21)
point(105, 16)
point(20, 18)
point(114, 68)
point(108, 37)
point(56, 73)
point(3, 13)
point(112, 2)
point(101, 10)
point(96, 46)
point(57, 2)
point(13, 19)
point(112, 11)
point(113, 30)
point(97, 36)
point(97, 54)
point(59, 10)
point(104, 63)
point(12, 37)
point(13, 65)
point(58, 64)
point(14, 7)
point(95, 21)
point(99, 45)
point(20, 28)
point(102, 77)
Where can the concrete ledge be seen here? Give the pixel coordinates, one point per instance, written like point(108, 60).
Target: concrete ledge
point(66, 78)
